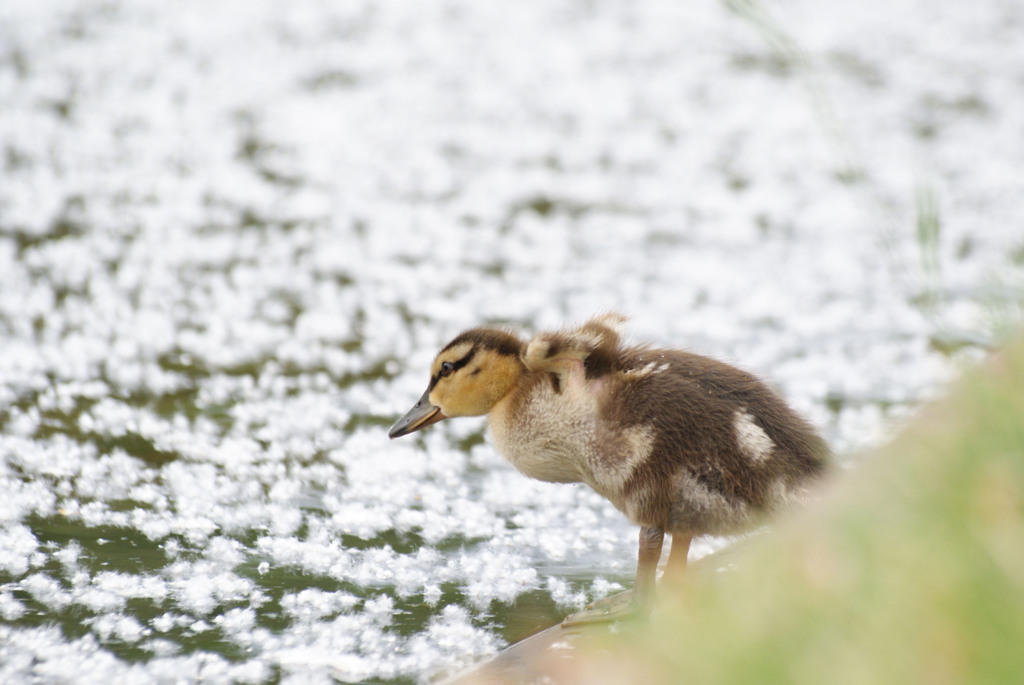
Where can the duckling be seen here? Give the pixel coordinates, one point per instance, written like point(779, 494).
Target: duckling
point(678, 442)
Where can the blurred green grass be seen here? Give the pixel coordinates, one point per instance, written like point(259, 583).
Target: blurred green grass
point(909, 569)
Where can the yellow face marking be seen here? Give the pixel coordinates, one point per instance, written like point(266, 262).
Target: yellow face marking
point(468, 379)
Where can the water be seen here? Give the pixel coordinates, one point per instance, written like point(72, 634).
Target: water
point(233, 235)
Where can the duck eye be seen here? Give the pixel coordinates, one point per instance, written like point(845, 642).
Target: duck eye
point(447, 368)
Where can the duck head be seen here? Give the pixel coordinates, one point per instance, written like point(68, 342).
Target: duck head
point(468, 377)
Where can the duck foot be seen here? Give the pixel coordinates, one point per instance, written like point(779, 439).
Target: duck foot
point(616, 607)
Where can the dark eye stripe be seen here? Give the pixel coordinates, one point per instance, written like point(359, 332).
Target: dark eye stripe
point(455, 367)
point(462, 362)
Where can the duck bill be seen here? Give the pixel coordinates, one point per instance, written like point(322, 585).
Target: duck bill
point(422, 414)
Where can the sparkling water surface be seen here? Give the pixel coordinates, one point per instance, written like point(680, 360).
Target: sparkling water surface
point(233, 235)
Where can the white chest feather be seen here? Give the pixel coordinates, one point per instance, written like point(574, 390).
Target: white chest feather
point(551, 435)
point(559, 437)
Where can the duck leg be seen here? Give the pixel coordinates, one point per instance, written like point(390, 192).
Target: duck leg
point(647, 558)
point(637, 602)
point(676, 564)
